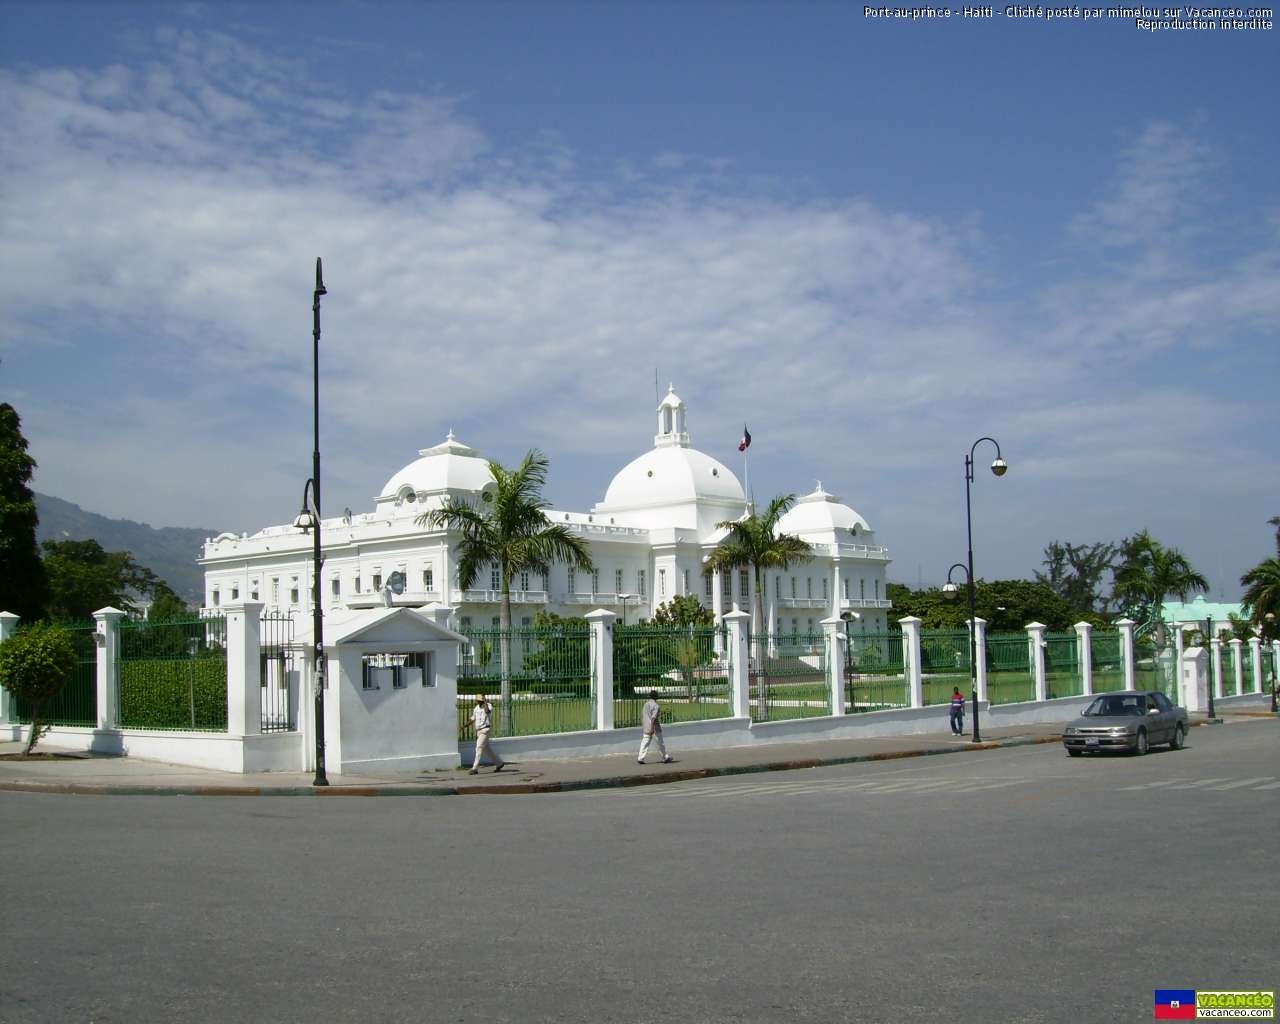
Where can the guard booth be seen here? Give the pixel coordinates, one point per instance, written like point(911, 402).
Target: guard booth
point(394, 687)
point(1195, 679)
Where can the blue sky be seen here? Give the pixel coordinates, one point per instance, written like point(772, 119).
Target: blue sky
point(872, 241)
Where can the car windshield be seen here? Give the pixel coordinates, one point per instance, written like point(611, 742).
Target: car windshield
point(1109, 707)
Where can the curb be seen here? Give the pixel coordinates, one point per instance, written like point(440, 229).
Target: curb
point(509, 789)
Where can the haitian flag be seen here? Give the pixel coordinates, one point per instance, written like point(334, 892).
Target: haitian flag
point(745, 443)
point(1175, 1004)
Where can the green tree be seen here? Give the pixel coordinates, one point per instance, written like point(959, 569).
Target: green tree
point(1148, 573)
point(35, 663)
point(509, 528)
point(166, 605)
point(683, 610)
point(83, 578)
point(1262, 597)
point(1075, 571)
point(23, 586)
point(753, 542)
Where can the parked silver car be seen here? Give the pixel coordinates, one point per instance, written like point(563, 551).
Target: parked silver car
point(1131, 720)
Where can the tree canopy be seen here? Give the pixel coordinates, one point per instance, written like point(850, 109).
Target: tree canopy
point(1075, 572)
point(23, 586)
point(35, 663)
point(1148, 572)
point(683, 610)
point(83, 578)
point(1005, 605)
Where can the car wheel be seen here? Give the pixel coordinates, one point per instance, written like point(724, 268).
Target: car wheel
point(1074, 753)
point(1179, 737)
point(1141, 746)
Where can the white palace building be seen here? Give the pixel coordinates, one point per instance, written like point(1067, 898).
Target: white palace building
point(649, 538)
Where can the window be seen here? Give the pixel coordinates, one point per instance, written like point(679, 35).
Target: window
point(573, 580)
point(744, 583)
point(595, 582)
point(357, 586)
point(293, 590)
point(464, 623)
point(524, 581)
point(235, 592)
point(686, 582)
point(845, 584)
point(253, 593)
point(662, 582)
point(546, 582)
point(708, 584)
point(862, 591)
point(617, 581)
point(335, 588)
point(726, 584)
point(495, 579)
point(777, 587)
point(640, 582)
point(808, 586)
point(793, 586)
point(496, 622)
point(824, 589)
point(275, 590)
point(878, 594)
point(526, 643)
point(795, 627)
point(377, 579)
point(217, 598)
point(428, 580)
point(397, 671)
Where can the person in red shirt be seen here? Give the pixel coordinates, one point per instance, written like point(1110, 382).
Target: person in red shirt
point(957, 711)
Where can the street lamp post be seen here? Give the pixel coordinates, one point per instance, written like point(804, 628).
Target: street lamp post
point(309, 520)
point(624, 598)
point(999, 467)
point(1208, 635)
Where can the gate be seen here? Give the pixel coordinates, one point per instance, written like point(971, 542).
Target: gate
point(279, 673)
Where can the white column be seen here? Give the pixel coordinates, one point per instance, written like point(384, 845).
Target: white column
point(739, 664)
point(1035, 642)
point(1126, 651)
point(911, 660)
point(1255, 650)
point(601, 622)
point(1084, 655)
point(1193, 684)
point(770, 619)
point(244, 688)
point(1275, 662)
point(833, 627)
point(979, 626)
point(1237, 659)
point(834, 610)
point(108, 641)
point(717, 610)
point(1215, 652)
point(8, 626)
point(440, 614)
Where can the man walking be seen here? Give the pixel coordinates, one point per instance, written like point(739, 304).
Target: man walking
point(482, 719)
point(957, 711)
point(651, 720)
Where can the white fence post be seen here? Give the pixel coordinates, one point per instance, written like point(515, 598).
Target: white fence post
point(834, 629)
point(1255, 648)
point(739, 664)
point(244, 685)
point(1035, 642)
point(979, 626)
point(1215, 652)
point(1084, 655)
point(1126, 651)
point(8, 626)
point(1237, 660)
point(602, 666)
point(107, 638)
point(911, 660)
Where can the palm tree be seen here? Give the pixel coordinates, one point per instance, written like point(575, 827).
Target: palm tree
point(1262, 595)
point(509, 529)
point(753, 543)
point(1149, 573)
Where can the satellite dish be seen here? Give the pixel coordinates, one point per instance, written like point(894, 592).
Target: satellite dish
point(395, 583)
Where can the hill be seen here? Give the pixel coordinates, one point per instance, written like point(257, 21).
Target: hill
point(170, 552)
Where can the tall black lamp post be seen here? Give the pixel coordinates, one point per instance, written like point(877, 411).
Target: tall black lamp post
point(999, 467)
point(309, 520)
point(1208, 635)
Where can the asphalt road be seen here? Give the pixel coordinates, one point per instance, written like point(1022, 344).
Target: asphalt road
point(1010, 885)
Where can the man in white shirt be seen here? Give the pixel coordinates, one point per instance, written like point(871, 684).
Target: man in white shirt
point(482, 719)
point(651, 720)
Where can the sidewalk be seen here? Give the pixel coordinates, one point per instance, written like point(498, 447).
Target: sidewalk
point(101, 775)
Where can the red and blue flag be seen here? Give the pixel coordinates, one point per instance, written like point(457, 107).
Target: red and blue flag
point(1175, 1004)
point(745, 443)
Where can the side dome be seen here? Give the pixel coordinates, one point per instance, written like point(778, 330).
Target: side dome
point(671, 476)
point(450, 466)
point(823, 514)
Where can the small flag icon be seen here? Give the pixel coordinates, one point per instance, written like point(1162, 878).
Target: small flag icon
point(745, 443)
point(1175, 1004)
